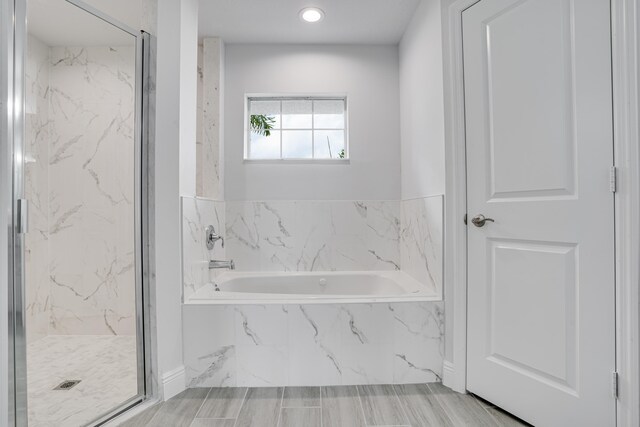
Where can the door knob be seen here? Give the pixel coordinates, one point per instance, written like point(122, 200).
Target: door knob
point(480, 220)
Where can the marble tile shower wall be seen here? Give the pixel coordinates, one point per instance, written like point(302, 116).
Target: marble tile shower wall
point(91, 190)
point(80, 136)
point(36, 176)
point(302, 345)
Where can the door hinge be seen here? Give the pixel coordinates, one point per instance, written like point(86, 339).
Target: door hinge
point(23, 216)
point(614, 385)
point(613, 179)
point(465, 219)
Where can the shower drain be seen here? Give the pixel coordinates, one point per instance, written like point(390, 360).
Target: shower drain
point(67, 385)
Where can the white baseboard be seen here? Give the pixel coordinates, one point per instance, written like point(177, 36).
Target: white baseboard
point(173, 383)
point(449, 378)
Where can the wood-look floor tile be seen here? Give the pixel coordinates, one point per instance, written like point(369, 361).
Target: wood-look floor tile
point(223, 402)
point(213, 422)
point(180, 410)
point(143, 418)
point(463, 410)
point(341, 407)
point(381, 406)
point(301, 397)
point(300, 417)
point(504, 419)
point(421, 407)
point(261, 407)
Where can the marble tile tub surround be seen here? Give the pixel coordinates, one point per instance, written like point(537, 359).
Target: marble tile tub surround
point(80, 252)
point(327, 344)
point(317, 236)
point(197, 215)
point(314, 235)
point(422, 239)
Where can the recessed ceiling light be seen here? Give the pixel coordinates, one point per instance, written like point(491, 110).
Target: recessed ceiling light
point(312, 14)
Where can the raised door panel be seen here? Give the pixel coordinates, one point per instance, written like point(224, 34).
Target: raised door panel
point(530, 114)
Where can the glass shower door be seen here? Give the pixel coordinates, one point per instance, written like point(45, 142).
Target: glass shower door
point(81, 182)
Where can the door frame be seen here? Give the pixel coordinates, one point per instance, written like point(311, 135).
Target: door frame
point(625, 17)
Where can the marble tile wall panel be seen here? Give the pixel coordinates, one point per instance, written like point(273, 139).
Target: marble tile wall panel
point(91, 190)
point(314, 235)
point(36, 174)
point(199, 125)
point(197, 214)
point(421, 242)
point(212, 117)
point(304, 345)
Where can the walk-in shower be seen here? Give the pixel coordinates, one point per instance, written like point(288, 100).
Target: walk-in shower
point(78, 291)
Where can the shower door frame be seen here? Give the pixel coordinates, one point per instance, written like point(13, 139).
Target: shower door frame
point(18, 412)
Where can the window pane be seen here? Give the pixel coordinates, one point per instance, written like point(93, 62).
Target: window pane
point(329, 144)
point(329, 114)
point(270, 109)
point(296, 114)
point(296, 144)
point(265, 147)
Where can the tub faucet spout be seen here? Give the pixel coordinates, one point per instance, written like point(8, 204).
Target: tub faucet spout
point(214, 264)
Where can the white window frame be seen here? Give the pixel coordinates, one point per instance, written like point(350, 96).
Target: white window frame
point(295, 97)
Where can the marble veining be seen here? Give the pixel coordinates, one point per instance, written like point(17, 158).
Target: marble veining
point(325, 344)
point(36, 177)
point(314, 235)
point(197, 215)
point(421, 240)
point(212, 113)
point(79, 175)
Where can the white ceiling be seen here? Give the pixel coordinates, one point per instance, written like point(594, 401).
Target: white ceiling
point(60, 23)
point(277, 21)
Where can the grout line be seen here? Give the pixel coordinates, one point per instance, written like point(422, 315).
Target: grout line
point(364, 416)
point(490, 414)
point(483, 403)
point(442, 406)
point(154, 415)
point(280, 411)
point(401, 403)
point(498, 410)
point(244, 399)
point(321, 421)
point(301, 407)
point(201, 405)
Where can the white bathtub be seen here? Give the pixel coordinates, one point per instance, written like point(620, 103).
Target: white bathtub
point(313, 287)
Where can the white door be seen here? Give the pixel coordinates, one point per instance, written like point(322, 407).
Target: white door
point(541, 331)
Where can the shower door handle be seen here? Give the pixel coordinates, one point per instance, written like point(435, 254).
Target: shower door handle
point(23, 216)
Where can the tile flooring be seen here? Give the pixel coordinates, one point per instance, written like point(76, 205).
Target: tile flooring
point(420, 405)
point(105, 365)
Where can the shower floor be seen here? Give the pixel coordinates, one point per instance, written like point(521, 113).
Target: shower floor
point(105, 365)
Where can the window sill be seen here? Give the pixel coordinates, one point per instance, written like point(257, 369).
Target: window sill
point(297, 161)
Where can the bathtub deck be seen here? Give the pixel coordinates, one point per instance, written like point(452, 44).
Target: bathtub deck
point(353, 406)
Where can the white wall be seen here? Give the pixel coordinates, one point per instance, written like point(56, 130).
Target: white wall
point(176, 41)
point(367, 74)
point(422, 104)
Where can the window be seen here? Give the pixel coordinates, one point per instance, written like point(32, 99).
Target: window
point(296, 128)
